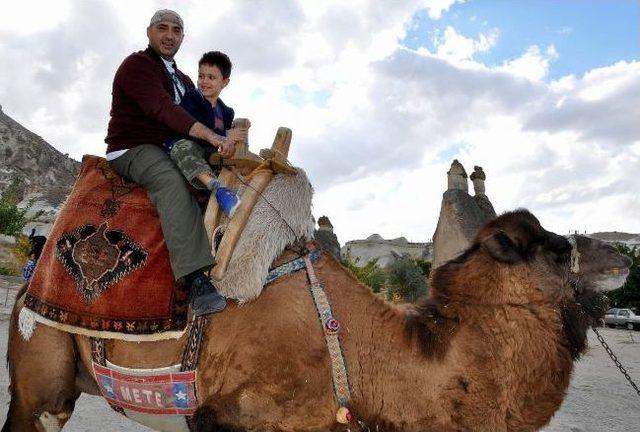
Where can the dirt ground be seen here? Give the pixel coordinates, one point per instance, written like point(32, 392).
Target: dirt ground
point(599, 398)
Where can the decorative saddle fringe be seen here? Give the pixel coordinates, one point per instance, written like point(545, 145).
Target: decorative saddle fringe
point(26, 323)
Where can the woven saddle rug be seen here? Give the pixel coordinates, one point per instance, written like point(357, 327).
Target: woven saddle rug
point(105, 272)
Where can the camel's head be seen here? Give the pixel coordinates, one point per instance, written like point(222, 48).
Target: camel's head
point(514, 260)
point(599, 262)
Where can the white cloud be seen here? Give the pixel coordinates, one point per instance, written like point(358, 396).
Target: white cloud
point(30, 16)
point(533, 64)
point(437, 7)
point(455, 47)
point(375, 125)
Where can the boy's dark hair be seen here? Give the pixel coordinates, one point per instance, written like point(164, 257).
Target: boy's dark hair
point(217, 58)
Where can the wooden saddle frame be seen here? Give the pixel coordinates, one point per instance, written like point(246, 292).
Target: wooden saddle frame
point(256, 171)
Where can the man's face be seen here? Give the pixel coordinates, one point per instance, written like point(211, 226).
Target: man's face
point(165, 38)
point(210, 80)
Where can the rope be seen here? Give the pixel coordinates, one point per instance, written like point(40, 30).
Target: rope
point(302, 250)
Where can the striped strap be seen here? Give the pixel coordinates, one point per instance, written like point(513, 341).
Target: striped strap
point(331, 329)
point(291, 266)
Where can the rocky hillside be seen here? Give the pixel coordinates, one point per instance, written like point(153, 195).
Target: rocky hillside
point(45, 174)
point(629, 239)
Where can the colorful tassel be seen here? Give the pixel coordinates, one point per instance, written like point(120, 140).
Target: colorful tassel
point(343, 416)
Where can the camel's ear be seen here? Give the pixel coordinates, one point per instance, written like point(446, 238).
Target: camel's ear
point(502, 248)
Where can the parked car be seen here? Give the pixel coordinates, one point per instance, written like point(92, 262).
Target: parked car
point(622, 317)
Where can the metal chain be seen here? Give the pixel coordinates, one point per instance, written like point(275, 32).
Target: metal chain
point(615, 360)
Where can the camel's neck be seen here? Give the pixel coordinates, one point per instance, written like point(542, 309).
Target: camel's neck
point(508, 360)
point(385, 372)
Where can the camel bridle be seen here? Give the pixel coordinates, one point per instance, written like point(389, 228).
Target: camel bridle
point(574, 261)
point(574, 267)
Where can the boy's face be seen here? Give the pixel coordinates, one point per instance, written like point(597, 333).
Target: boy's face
point(210, 81)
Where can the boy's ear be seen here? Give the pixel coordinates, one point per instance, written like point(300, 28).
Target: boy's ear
point(225, 82)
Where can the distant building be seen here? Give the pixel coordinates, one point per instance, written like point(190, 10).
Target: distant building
point(385, 251)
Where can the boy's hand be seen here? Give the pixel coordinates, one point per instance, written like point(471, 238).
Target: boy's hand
point(237, 134)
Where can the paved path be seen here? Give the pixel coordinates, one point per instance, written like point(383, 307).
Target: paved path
point(9, 286)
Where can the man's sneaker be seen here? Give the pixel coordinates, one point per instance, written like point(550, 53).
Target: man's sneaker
point(203, 296)
point(228, 200)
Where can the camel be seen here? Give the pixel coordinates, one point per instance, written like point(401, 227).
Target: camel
point(491, 349)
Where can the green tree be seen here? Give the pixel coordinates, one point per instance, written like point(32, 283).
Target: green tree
point(628, 295)
point(425, 267)
point(12, 219)
point(371, 274)
point(406, 279)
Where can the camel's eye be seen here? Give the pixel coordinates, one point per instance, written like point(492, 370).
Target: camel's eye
point(560, 247)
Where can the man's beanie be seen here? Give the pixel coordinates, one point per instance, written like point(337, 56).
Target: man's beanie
point(166, 15)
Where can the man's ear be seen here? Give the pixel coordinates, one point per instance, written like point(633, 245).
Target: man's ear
point(502, 248)
point(225, 82)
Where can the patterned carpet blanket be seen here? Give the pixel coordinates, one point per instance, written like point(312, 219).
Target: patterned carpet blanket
point(105, 270)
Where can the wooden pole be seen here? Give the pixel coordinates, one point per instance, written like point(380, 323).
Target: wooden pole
point(251, 195)
point(212, 214)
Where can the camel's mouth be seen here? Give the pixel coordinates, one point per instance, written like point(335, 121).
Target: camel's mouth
point(611, 279)
point(616, 271)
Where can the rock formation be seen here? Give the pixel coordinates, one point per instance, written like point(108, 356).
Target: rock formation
point(44, 174)
point(326, 237)
point(461, 215)
point(385, 251)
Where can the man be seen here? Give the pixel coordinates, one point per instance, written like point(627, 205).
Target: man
point(147, 89)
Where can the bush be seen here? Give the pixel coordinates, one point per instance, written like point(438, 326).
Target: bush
point(628, 295)
point(371, 274)
point(8, 271)
point(425, 267)
point(406, 280)
point(22, 248)
point(12, 219)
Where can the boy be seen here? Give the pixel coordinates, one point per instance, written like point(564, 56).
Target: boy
point(205, 105)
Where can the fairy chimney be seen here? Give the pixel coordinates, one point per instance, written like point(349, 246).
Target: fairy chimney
point(457, 177)
point(461, 215)
point(326, 237)
point(478, 177)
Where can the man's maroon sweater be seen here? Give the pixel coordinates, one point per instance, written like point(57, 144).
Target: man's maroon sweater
point(143, 110)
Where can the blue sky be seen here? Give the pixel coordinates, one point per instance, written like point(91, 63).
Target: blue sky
point(587, 34)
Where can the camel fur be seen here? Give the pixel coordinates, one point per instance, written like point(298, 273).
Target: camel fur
point(492, 349)
point(281, 216)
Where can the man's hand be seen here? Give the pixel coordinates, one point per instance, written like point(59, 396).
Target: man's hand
point(225, 146)
point(228, 148)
